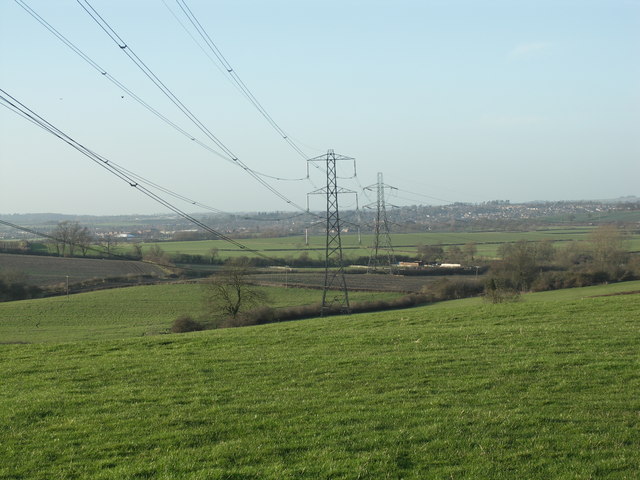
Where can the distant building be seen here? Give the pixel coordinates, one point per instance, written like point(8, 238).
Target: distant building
point(410, 264)
point(126, 236)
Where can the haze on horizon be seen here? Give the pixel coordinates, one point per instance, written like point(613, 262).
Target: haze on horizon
point(453, 101)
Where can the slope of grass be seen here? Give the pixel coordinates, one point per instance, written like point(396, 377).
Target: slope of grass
point(554, 296)
point(126, 312)
point(536, 390)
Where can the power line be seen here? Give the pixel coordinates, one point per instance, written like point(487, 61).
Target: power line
point(234, 75)
point(112, 79)
point(146, 105)
point(237, 82)
point(231, 74)
point(104, 25)
point(178, 196)
point(24, 111)
point(120, 85)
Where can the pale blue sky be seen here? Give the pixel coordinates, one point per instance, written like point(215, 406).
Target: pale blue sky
point(456, 100)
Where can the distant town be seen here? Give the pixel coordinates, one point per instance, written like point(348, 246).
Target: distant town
point(491, 215)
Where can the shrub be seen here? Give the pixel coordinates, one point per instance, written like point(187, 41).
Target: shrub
point(266, 314)
point(10, 291)
point(455, 289)
point(447, 289)
point(257, 316)
point(499, 290)
point(185, 324)
point(549, 281)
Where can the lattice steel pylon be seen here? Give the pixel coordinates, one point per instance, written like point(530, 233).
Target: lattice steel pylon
point(382, 250)
point(335, 295)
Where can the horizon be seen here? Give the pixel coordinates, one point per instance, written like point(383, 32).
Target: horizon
point(621, 199)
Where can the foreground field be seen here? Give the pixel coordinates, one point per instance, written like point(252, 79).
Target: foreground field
point(546, 388)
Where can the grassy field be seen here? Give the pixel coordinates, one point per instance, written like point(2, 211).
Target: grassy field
point(487, 243)
point(545, 388)
point(126, 312)
point(281, 248)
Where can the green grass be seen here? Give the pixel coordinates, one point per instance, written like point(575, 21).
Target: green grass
point(538, 389)
point(404, 243)
point(126, 312)
point(487, 243)
point(554, 296)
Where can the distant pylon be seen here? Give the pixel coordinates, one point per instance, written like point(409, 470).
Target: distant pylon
point(382, 250)
point(335, 294)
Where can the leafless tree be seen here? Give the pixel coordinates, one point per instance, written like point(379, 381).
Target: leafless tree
point(470, 250)
point(157, 255)
point(109, 241)
point(608, 247)
point(69, 236)
point(230, 293)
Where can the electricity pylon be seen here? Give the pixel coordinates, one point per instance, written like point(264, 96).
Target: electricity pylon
point(381, 248)
point(335, 294)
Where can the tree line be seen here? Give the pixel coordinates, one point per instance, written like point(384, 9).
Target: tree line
point(537, 266)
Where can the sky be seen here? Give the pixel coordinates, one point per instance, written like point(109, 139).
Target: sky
point(451, 100)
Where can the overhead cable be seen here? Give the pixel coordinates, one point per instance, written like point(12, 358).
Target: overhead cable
point(16, 106)
point(235, 77)
point(222, 64)
point(113, 80)
point(147, 106)
point(104, 25)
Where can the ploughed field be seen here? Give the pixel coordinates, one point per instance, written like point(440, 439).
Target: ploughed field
point(360, 281)
point(47, 271)
point(543, 388)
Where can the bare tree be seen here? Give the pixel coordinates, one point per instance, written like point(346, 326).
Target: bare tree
point(608, 248)
point(430, 253)
point(213, 253)
point(84, 240)
point(68, 236)
point(545, 251)
point(137, 251)
point(156, 254)
point(519, 266)
point(230, 293)
point(469, 250)
point(109, 241)
point(454, 254)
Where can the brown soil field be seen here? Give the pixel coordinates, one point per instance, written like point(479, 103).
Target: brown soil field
point(364, 281)
point(48, 271)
